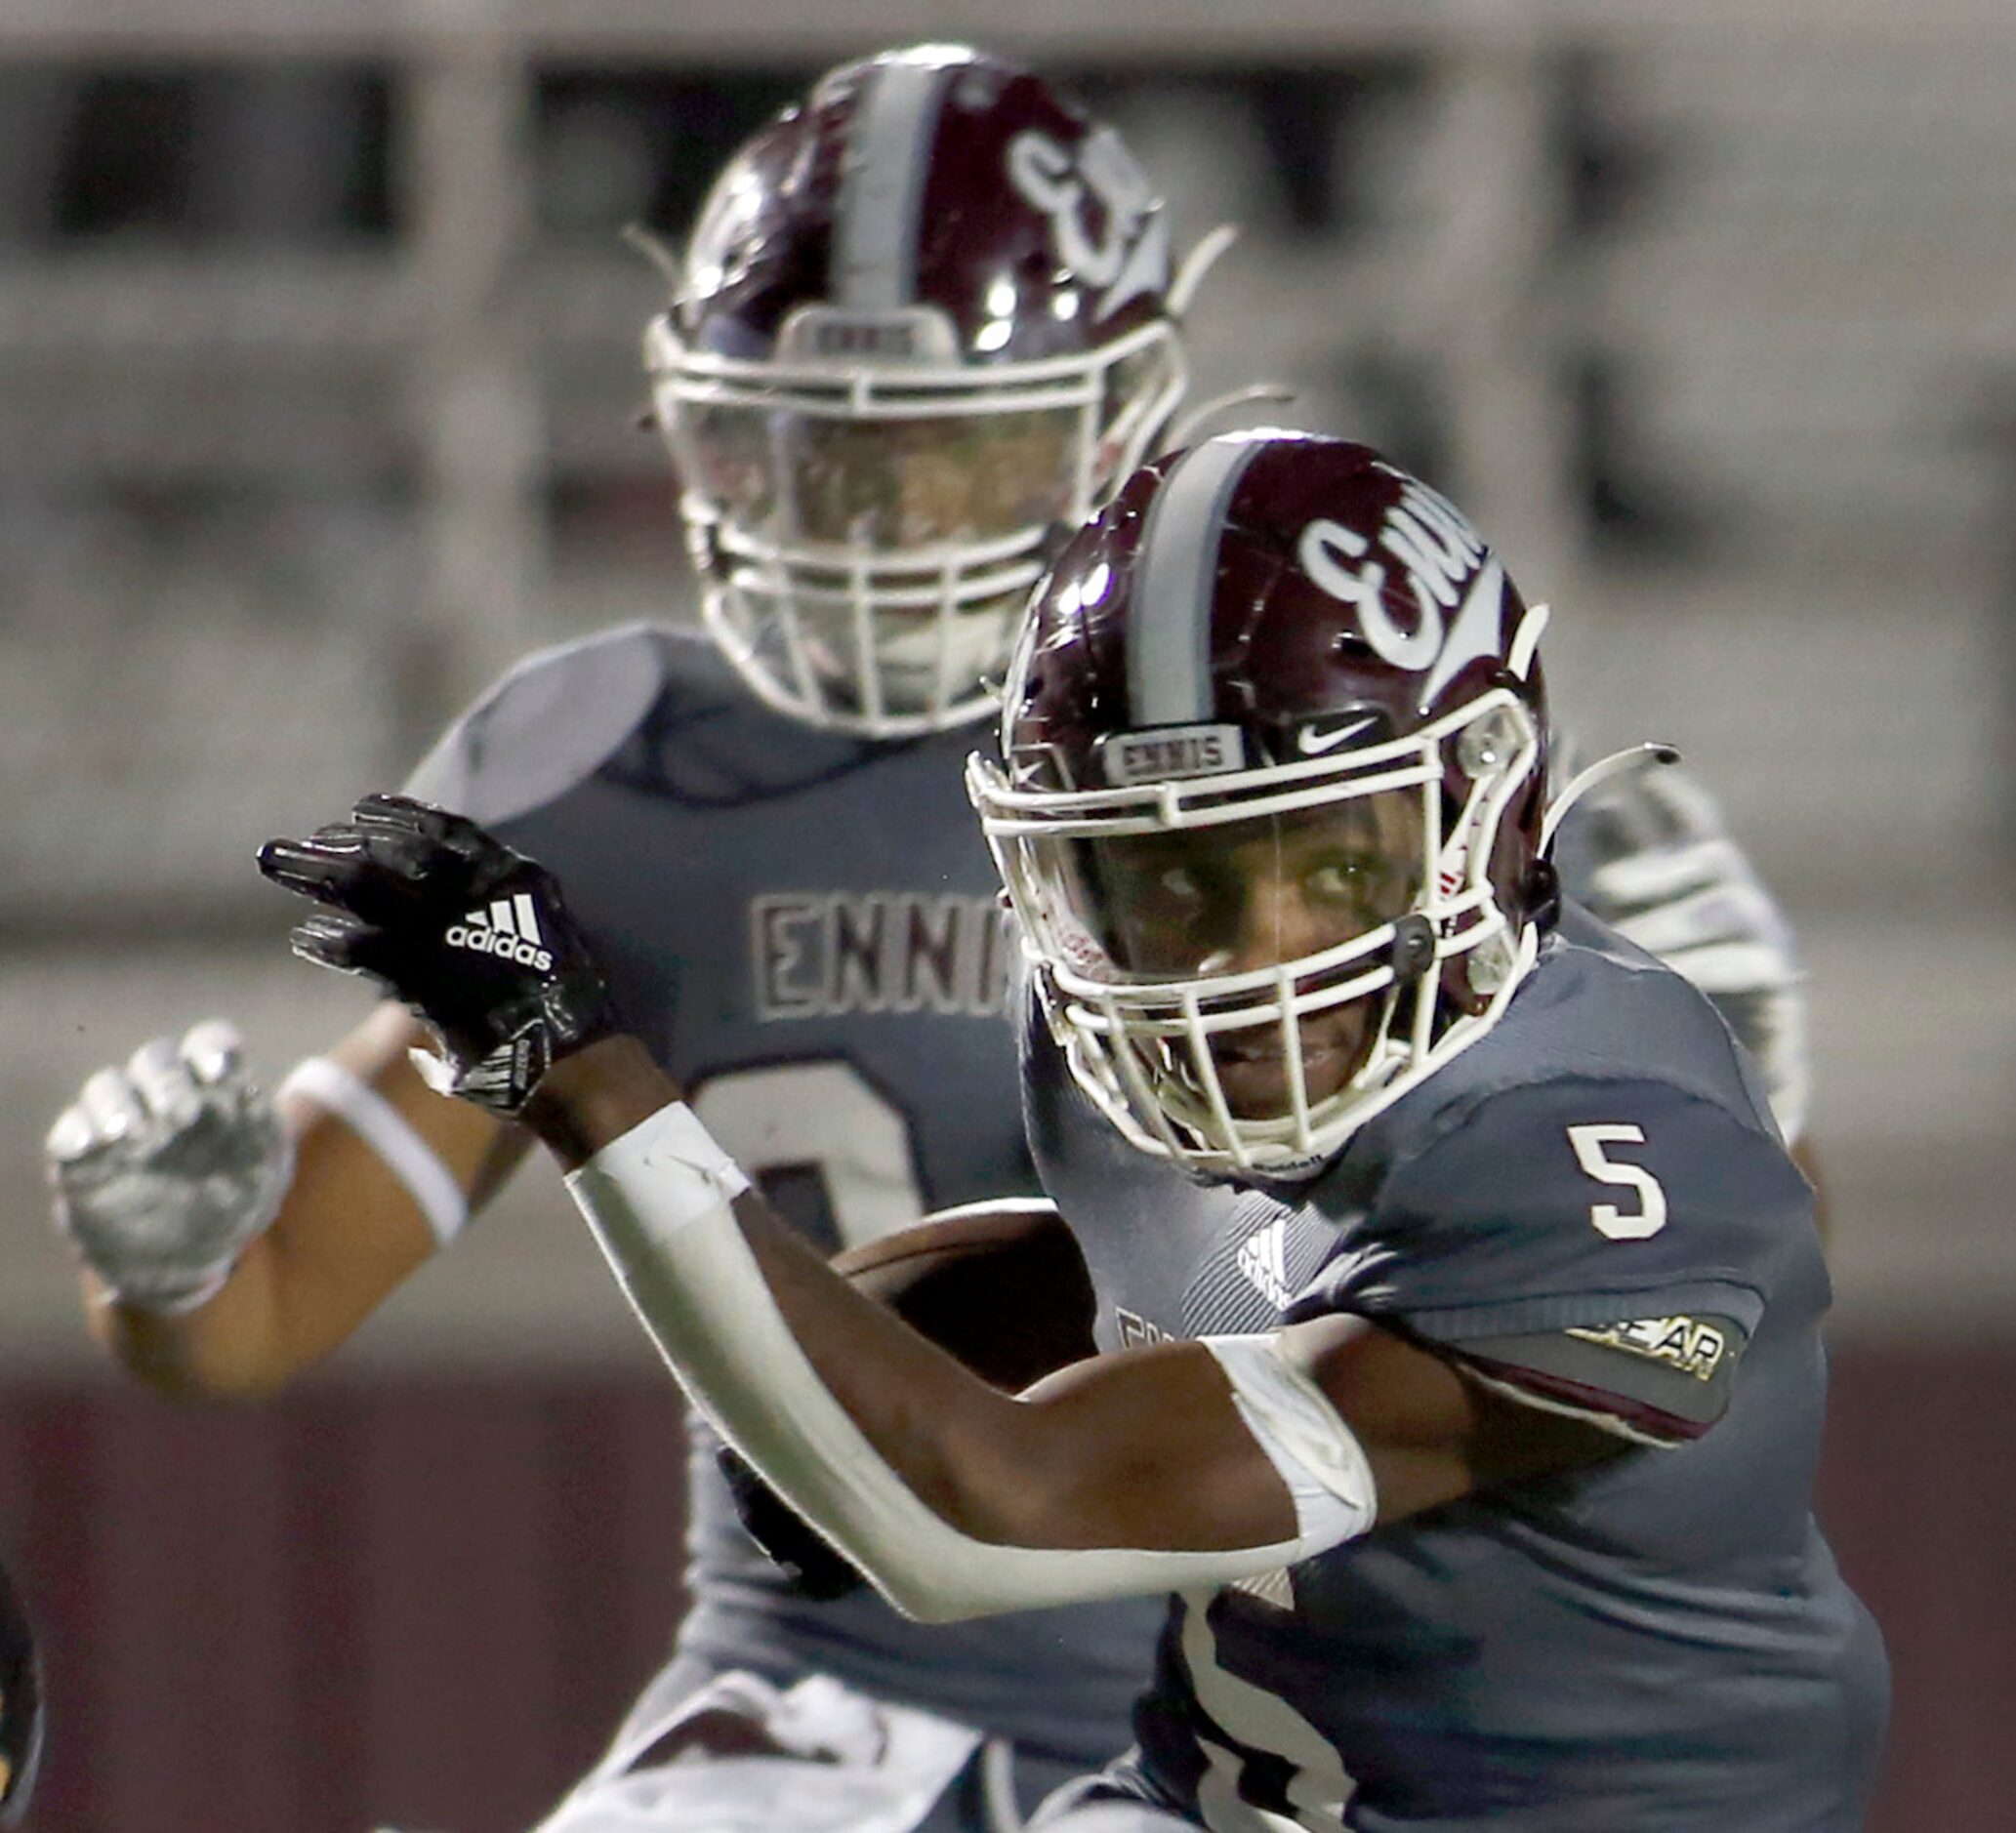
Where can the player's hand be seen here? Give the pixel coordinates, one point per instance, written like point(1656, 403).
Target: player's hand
point(166, 1167)
point(471, 935)
point(1668, 876)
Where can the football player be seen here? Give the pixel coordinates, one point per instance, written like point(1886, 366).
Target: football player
point(1462, 1300)
point(923, 323)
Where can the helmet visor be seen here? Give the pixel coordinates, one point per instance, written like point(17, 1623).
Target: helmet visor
point(1244, 963)
point(884, 486)
point(1232, 898)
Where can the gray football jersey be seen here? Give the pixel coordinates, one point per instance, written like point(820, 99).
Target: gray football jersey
point(805, 930)
point(1591, 1208)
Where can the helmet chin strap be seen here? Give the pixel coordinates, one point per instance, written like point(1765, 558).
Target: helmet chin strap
point(1618, 763)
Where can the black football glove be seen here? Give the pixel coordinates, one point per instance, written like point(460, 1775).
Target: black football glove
point(470, 934)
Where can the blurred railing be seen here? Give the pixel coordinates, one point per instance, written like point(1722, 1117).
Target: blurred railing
point(429, 1603)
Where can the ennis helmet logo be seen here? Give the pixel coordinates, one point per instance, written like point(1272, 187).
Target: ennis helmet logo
point(864, 337)
point(1178, 751)
point(1127, 254)
point(835, 334)
point(1427, 537)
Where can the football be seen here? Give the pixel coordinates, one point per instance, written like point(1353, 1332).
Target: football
point(1001, 1285)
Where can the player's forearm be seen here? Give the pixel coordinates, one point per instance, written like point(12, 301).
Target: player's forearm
point(348, 1234)
point(232, 1238)
point(913, 1402)
point(277, 1314)
point(956, 1500)
point(590, 1099)
point(957, 1444)
point(224, 1349)
point(1045, 1472)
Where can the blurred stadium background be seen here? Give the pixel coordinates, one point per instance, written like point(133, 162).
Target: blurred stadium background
point(318, 383)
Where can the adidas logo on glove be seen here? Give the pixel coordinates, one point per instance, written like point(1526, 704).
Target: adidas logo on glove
point(509, 929)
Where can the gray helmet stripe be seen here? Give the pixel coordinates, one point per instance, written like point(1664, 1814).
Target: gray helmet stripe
point(1168, 621)
point(881, 187)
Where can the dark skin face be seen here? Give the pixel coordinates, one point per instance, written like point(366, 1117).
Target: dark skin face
point(1253, 894)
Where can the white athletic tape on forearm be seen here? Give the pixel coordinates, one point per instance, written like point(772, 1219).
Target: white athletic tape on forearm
point(658, 1199)
point(391, 1135)
point(1316, 1455)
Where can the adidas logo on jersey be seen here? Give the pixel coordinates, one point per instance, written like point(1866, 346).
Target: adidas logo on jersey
point(508, 929)
point(1264, 1260)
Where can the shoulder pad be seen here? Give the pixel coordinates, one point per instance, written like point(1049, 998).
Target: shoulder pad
point(550, 723)
point(1596, 1007)
point(1582, 1202)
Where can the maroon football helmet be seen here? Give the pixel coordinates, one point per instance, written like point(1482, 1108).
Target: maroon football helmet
point(926, 320)
point(1274, 739)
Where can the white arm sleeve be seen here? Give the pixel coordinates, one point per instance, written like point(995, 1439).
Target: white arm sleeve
point(658, 1201)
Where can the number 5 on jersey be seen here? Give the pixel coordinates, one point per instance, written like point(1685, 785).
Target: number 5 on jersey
point(1620, 1225)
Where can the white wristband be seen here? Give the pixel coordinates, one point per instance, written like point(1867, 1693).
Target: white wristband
point(391, 1135)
